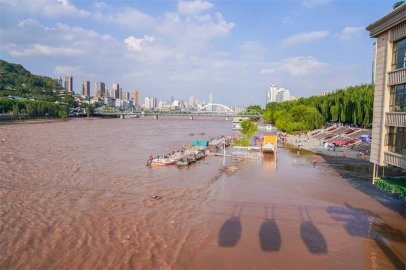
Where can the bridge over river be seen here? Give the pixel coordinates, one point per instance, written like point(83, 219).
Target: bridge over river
point(206, 111)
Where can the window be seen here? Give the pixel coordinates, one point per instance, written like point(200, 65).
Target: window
point(399, 54)
point(397, 101)
point(396, 140)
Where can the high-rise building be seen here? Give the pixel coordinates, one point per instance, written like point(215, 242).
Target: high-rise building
point(127, 95)
point(211, 101)
point(150, 102)
point(282, 95)
point(276, 94)
point(100, 89)
point(211, 97)
point(86, 88)
point(192, 102)
point(136, 97)
point(271, 94)
point(388, 146)
point(120, 93)
point(115, 90)
point(69, 84)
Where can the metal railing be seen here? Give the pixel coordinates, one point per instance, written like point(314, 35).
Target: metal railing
point(395, 119)
point(395, 159)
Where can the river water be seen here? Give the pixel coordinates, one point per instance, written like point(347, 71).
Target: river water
point(78, 195)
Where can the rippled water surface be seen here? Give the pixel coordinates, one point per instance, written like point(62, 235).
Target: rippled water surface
point(77, 195)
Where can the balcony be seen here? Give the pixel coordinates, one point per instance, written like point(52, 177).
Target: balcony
point(397, 77)
point(395, 119)
point(395, 159)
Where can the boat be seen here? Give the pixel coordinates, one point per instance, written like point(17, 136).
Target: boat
point(160, 162)
point(185, 161)
point(268, 148)
point(269, 143)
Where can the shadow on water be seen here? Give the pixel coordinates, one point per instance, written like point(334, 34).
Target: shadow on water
point(230, 231)
point(311, 235)
point(358, 173)
point(269, 234)
point(364, 223)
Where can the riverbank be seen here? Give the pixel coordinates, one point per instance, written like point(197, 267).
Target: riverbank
point(31, 121)
point(316, 146)
point(394, 185)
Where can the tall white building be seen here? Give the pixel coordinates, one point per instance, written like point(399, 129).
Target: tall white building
point(150, 102)
point(271, 94)
point(282, 95)
point(276, 94)
point(192, 102)
point(211, 101)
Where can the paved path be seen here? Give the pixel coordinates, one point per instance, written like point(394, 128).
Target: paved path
point(315, 145)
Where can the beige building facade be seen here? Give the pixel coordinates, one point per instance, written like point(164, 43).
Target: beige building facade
point(388, 147)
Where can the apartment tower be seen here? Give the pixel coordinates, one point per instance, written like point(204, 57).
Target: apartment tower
point(69, 84)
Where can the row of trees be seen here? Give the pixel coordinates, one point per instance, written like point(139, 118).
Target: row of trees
point(32, 108)
point(352, 105)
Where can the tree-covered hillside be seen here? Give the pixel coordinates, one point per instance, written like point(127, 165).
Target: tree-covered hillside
point(15, 80)
point(352, 105)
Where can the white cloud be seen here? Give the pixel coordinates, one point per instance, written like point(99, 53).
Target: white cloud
point(266, 71)
point(129, 17)
point(303, 38)
point(193, 7)
point(349, 33)
point(287, 20)
point(137, 44)
point(314, 3)
point(53, 9)
point(296, 66)
point(45, 50)
point(302, 65)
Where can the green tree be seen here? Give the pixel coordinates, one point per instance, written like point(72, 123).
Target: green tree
point(16, 112)
point(254, 108)
point(63, 114)
point(398, 4)
point(248, 128)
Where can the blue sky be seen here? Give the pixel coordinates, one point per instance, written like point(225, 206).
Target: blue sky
point(234, 49)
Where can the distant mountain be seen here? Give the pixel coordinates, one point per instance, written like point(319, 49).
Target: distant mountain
point(15, 80)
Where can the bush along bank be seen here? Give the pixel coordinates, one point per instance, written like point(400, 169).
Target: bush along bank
point(395, 186)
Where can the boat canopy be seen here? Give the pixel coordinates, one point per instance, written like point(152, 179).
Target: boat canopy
point(203, 143)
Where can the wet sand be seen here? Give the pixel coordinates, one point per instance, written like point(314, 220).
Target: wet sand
point(77, 195)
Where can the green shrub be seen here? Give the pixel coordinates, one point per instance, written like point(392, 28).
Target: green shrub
point(394, 186)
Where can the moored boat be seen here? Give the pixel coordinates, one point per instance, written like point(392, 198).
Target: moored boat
point(160, 162)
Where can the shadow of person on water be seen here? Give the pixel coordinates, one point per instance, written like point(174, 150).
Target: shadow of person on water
point(230, 231)
point(311, 235)
point(269, 234)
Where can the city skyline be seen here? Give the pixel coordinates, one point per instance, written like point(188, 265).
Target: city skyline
point(179, 48)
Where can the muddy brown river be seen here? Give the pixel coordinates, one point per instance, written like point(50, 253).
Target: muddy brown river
point(78, 195)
